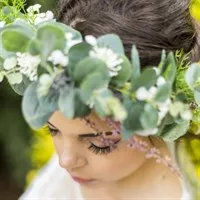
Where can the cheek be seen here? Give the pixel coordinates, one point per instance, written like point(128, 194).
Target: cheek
point(119, 164)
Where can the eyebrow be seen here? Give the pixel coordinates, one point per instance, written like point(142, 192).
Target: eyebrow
point(88, 134)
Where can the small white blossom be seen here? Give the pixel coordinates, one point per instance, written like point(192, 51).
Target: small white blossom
point(2, 24)
point(161, 80)
point(152, 91)
point(42, 17)
point(34, 8)
point(142, 94)
point(10, 63)
point(90, 39)
point(45, 82)
point(28, 65)
point(147, 132)
point(109, 57)
point(186, 115)
point(57, 57)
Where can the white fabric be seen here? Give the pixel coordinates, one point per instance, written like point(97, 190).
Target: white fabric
point(53, 183)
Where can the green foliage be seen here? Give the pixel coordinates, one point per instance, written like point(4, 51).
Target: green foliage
point(35, 115)
point(113, 42)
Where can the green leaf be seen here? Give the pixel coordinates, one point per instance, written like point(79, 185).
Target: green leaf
point(81, 110)
point(135, 63)
point(169, 68)
point(132, 123)
point(197, 97)
point(68, 29)
point(174, 131)
point(20, 88)
point(192, 74)
point(149, 118)
point(35, 115)
point(163, 92)
point(113, 42)
point(66, 102)
point(51, 38)
point(15, 78)
point(147, 79)
point(78, 53)
point(49, 102)
point(124, 74)
point(88, 66)
point(14, 40)
point(90, 84)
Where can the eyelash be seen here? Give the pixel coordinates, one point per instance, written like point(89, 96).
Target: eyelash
point(95, 149)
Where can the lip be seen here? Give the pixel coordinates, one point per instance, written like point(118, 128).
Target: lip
point(80, 180)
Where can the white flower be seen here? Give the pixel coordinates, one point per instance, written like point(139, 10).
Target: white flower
point(10, 63)
point(147, 132)
point(111, 59)
point(186, 115)
point(45, 82)
point(57, 57)
point(34, 8)
point(142, 94)
point(42, 17)
point(28, 65)
point(90, 39)
point(161, 81)
point(2, 24)
point(70, 41)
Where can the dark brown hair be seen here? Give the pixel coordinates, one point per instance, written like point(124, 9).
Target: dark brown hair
point(150, 25)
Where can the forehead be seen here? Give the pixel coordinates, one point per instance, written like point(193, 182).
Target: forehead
point(78, 125)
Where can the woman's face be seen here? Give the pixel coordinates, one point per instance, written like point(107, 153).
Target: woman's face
point(72, 145)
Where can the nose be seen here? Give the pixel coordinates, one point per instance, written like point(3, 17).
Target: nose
point(70, 158)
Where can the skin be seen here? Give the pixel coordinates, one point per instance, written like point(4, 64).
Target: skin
point(125, 172)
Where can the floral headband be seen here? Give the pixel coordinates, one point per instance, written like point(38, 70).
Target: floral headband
point(55, 69)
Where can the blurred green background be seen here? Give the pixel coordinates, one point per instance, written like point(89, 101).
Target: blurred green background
point(18, 144)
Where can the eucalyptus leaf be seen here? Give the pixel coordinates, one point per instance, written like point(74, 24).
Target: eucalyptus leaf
point(163, 92)
point(135, 63)
point(49, 102)
point(14, 40)
point(124, 74)
point(90, 84)
point(192, 75)
point(147, 79)
point(81, 110)
point(197, 97)
point(174, 131)
point(20, 88)
point(51, 38)
point(77, 53)
point(35, 115)
point(15, 78)
point(66, 102)
point(149, 118)
point(169, 68)
point(111, 41)
point(132, 123)
point(90, 65)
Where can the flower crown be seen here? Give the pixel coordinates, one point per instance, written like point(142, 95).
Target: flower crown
point(55, 69)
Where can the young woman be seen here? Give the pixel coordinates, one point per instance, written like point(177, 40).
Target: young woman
point(123, 172)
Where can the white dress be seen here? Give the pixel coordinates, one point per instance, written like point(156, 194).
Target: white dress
point(53, 183)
